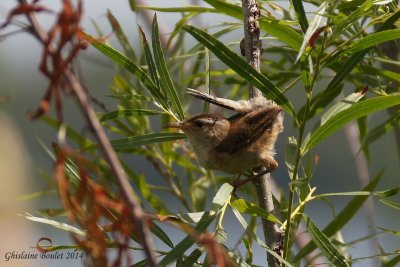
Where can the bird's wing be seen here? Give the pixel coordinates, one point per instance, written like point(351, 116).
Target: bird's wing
point(247, 128)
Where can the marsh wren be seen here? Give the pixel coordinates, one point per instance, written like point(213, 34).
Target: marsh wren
point(239, 143)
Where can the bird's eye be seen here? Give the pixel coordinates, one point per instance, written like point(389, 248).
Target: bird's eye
point(198, 124)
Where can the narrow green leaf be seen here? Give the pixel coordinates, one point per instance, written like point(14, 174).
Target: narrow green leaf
point(299, 183)
point(353, 193)
point(381, 2)
point(282, 32)
point(290, 155)
point(123, 40)
point(344, 104)
point(301, 14)
point(306, 70)
point(323, 243)
point(389, 192)
point(149, 59)
point(348, 212)
point(239, 65)
point(349, 6)
point(181, 9)
point(129, 97)
point(391, 204)
point(373, 39)
point(56, 224)
point(363, 131)
point(391, 75)
point(127, 64)
point(63, 247)
point(250, 208)
point(393, 232)
point(342, 118)
point(163, 71)
point(157, 231)
point(127, 113)
point(132, 5)
point(226, 8)
point(142, 263)
point(147, 139)
point(191, 217)
point(218, 202)
point(192, 258)
point(393, 262)
point(221, 198)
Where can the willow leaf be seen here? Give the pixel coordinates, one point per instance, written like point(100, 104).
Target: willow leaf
point(373, 39)
point(356, 111)
point(301, 14)
point(180, 9)
point(163, 71)
point(323, 243)
point(149, 58)
point(244, 206)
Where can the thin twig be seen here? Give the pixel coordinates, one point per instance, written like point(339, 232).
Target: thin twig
point(252, 48)
point(138, 217)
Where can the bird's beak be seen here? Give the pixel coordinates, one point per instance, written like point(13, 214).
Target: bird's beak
point(177, 124)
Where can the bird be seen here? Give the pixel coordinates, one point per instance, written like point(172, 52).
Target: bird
point(238, 143)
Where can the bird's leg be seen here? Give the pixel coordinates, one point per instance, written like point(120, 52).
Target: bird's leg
point(237, 178)
point(238, 183)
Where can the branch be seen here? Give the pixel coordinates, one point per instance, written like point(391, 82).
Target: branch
point(137, 217)
point(252, 47)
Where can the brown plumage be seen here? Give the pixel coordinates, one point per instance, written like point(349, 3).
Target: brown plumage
point(239, 143)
